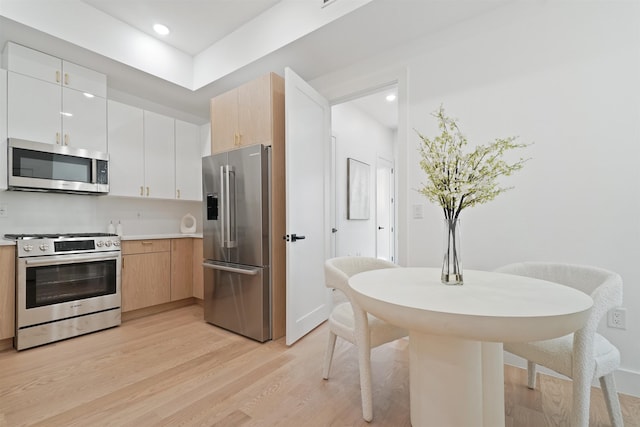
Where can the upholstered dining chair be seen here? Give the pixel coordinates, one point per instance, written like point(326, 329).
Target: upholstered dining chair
point(584, 355)
point(353, 324)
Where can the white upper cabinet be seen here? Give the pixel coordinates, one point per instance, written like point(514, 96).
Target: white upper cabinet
point(188, 161)
point(33, 63)
point(126, 150)
point(84, 120)
point(159, 146)
point(152, 155)
point(83, 79)
point(55, 101)
point(33, 109)
point(3, 129)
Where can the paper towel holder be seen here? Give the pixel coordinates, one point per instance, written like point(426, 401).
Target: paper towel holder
point(188, 224)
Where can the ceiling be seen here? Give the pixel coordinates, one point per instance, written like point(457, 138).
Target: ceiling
point(377, 106)
point(216, 45)
point(195, 24)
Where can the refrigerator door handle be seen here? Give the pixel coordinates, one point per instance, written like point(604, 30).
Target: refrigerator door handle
point(231, 209)
point(223, 202)
point(241, 270)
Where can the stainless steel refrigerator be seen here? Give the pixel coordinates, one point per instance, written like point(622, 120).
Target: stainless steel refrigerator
point(236, 217)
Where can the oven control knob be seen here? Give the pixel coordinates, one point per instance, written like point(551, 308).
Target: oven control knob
point(100, 243)
point(27, 248)
point(116, 243)
point(44, 247)
point(107, 243)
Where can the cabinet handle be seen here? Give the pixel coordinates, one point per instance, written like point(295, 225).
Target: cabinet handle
point(141, 190)
point(239, 138)
point(147, 191)
point(66, 139)
point(147, 243)
point(66, 78)
point(122, 267)
point(57, 76)
point(178, 194)
point(235, 138)
point(57, 137)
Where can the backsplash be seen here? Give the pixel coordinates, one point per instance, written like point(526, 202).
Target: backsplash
point(30, 212)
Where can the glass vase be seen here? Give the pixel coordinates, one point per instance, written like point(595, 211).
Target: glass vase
point(452, 260)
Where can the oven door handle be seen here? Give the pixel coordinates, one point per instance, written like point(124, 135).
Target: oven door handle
point(69, 259)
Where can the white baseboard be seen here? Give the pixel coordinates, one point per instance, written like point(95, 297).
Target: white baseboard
point(627, 382)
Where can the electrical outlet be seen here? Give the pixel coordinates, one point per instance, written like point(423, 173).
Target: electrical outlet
point(617, 318)
point(4, 210)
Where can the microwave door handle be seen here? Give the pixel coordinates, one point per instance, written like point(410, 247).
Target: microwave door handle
point(94, 171)
point(222, 206)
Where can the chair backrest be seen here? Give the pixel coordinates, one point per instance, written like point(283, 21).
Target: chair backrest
point(338, 270)
point(604, 287)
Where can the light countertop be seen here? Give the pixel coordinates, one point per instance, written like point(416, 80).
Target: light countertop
point(6, 242)
point(160, 236)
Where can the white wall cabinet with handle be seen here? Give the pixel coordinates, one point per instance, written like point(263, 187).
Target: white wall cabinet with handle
point(188, 161)
point(159, 155)
point(54, 101)
point(126, 150)
point(150, 153)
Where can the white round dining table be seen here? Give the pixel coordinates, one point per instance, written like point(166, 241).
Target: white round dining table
point(456, 333)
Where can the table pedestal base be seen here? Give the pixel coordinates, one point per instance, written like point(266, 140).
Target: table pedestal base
point(455, 382)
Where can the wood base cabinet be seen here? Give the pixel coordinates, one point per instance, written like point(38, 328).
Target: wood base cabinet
point(7, 291)
point(198, 270)
point(157, 271)
point(146, 273)
point(181, 269)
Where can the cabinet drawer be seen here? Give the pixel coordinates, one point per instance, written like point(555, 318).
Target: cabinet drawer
point(145, 246)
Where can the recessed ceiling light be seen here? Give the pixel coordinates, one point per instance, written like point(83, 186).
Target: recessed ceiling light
point(163, 30)
point(391, 97)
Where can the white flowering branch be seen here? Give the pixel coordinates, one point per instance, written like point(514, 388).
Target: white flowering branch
point(459, 179)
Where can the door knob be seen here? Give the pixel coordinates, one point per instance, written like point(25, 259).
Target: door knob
point(293, 237)
point(380, 228)
point(334, 230)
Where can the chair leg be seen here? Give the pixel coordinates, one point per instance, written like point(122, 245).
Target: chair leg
point(366, 392)
point(581, 400)
point(531, 375)
point(328, 355)
point(608, 385)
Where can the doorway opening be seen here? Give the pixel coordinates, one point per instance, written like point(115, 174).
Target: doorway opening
point(365, 129)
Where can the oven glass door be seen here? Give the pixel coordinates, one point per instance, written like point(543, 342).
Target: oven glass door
point(62, 286)
point(55, 284)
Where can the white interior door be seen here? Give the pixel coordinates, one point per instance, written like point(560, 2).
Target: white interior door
point(384, 210)
point(308, 154)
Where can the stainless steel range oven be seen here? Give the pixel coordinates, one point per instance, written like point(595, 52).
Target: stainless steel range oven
point(66, 285)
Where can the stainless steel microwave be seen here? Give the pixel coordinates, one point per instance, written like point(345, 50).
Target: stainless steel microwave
point(35, 166)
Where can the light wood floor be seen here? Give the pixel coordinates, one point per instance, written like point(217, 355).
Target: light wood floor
point(173, 369)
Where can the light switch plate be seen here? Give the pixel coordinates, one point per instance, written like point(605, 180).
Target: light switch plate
point(418, 211)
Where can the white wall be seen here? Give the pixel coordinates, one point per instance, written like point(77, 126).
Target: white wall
point(563, 75)
point(29, 212)
point(360, 137)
